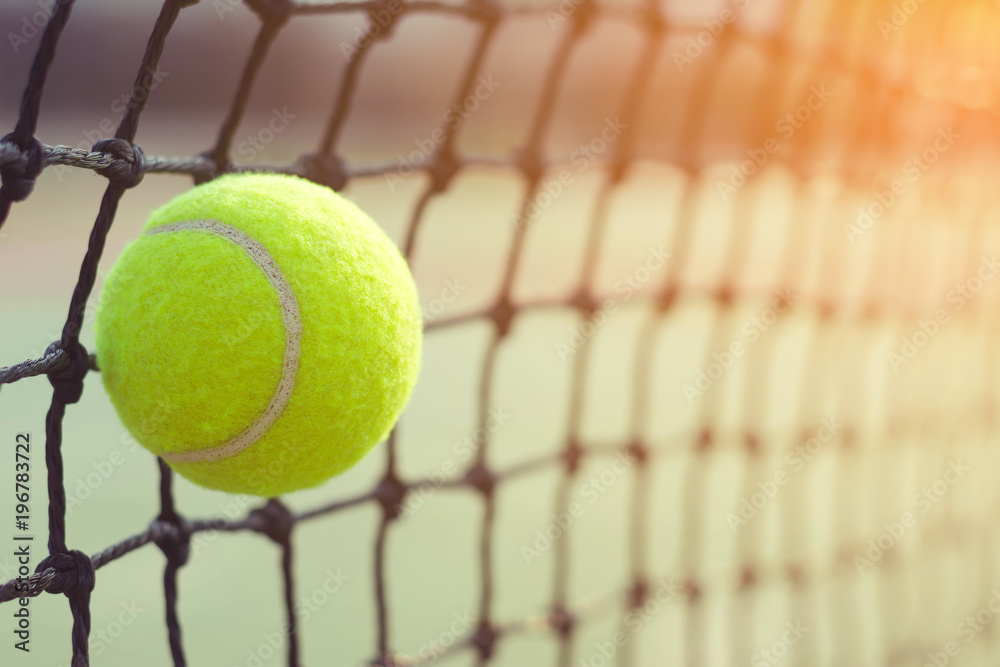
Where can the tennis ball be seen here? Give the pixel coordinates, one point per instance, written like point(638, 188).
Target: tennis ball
point(261, 336)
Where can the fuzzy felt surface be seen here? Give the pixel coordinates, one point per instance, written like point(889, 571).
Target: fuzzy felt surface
point(190, 338)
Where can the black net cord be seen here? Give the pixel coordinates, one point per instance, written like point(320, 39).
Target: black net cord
point(586, 303)
point(19, 177)
point(172, 621)
point(338, 117)
point(219, 155)
point(288, 576)
point(175, 547)
point(638, 525)
point(275, 521)
point(390, 494)
point(384, 658)
point(68, 382)
point(443, 165)
point(484, 481)
point(122, 144)
point(78, 587)
point(531, 165)
point(442, 168)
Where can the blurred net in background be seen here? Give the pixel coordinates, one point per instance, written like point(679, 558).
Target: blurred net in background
point(741, 281)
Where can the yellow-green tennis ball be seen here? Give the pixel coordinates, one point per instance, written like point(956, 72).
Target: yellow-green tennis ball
point(261, 335)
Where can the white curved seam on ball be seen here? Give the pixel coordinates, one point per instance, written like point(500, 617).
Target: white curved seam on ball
point(293, 334)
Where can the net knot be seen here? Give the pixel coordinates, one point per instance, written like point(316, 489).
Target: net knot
point(68, 381)
point(618, 167)
point(390, 493)
point(487, 11)
point(638, 451)
point(692, 589)
point(584, 301)
point(74, 573)
point(382, 18)
point(562, 621)
point(653, 19)
point(481, 478)
point(796, 575)
point(273, 520)
point(503, 314)
point(529, 161)
point(271, 11)
point(666, 298)
point(704, 440)
point(584, 16)
point(485, 639)
point(18, 176)
point(324, 169)
point(572, 456)
point(637, 594)
point(442, 170)
point(129, 165)
point(173, 538)
point(725, 295)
